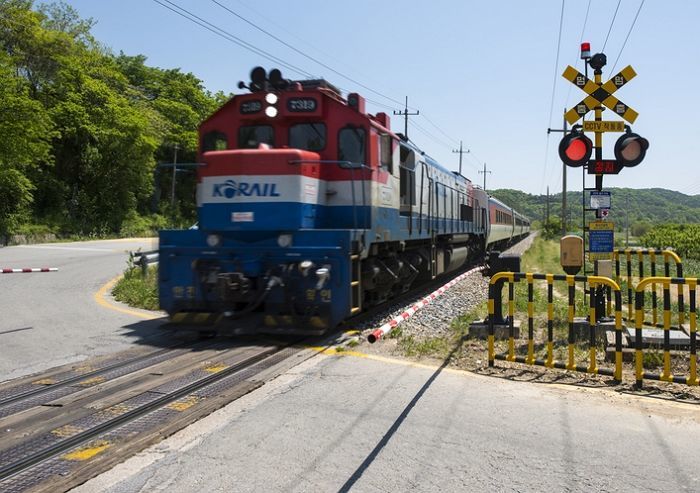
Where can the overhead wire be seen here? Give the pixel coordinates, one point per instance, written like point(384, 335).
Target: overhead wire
point(172, 6)
point(319, 62)
point(628, 36)
point(554, 85)
point(438, 128)
point(228, 36)
point(611, 25)
point(578, 58)
point(302, 53)
point(432, 136)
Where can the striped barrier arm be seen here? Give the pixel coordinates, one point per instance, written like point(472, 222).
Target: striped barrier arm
point(377, 334)
point(26, 270)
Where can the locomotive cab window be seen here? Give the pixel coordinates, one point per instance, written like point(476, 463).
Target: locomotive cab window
point(250, 137)
point(308, 136)
point(386, 157)
point(407, 178)
point(214, 141)
point(351, 145)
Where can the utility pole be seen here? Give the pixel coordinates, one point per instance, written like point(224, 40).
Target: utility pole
point(547, 214)
point(564, 225)
point(172, 189)
point(460, 151)
point(484, 173)
point(405, 115)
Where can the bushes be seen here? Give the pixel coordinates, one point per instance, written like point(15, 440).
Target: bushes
point(683, 238)
point(15, 199)
point(138, 290)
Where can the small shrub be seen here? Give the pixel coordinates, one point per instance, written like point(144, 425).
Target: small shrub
point(138, 290)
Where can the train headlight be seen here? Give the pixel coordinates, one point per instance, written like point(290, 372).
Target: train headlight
point(271, 111)
point(214, 240)
point(323, 275)
point(305, 266)
point(284, 240)
point(271, 98)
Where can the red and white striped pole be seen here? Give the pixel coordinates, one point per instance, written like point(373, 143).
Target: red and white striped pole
point(384, 329)
point(20, 271)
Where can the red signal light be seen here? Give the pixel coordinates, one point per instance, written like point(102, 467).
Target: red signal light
point(575, 149)
point(585, 51)
point(630, 149)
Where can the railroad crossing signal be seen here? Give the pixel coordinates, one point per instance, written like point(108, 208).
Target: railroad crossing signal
point(575, 149)
point(600, 94)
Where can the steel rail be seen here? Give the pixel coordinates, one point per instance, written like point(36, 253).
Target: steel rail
point(10, 469)
point(70, 380)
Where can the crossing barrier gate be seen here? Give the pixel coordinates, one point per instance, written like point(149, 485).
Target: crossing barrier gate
point(666, 375)
point(652, 253)
point(549, 362)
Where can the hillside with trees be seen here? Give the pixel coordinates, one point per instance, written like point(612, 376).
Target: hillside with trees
point(638, 208)
point(84, 128)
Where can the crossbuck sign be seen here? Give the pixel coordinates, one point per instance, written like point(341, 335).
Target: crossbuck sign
point(600, 94)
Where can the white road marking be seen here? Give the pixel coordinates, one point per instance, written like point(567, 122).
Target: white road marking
point(79, 249)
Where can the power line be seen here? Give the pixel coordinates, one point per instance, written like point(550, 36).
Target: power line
point(554, 85)
point(578, 58)
point(276, 38)
point(611, 24)
point(431, 136)
point(250, 47)
point(438, 128)
point(627, 37)
point(556, 64)
point(228, 36)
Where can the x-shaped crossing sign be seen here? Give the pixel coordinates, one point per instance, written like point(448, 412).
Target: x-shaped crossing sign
point(600, 94)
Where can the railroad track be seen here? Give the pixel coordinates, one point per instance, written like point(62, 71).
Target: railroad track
point(71, 427)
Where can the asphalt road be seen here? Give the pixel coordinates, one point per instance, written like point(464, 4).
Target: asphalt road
point(366, 424)
point(49, 319)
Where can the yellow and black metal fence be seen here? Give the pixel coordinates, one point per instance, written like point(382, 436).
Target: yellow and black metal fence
point(653, 255)
point(666, 374)
point(570, 364)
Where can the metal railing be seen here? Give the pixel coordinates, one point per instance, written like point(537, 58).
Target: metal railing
point(666, 375)
point(144, 259)
point(549, 362)
point(652, 253)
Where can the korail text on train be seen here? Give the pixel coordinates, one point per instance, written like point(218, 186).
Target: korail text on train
point(311, 210)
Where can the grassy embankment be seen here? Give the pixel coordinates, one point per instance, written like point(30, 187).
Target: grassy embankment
point(136, 289)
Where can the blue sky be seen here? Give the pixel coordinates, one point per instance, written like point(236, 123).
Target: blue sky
point(478, 71)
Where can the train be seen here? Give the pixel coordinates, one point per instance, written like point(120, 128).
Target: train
point(312, 210)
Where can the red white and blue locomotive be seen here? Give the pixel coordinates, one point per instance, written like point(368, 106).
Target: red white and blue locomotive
point(311, 210)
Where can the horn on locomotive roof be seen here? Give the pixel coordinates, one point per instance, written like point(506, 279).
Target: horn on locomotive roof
point(262, 81)
point(258, 79)
point(277, 81)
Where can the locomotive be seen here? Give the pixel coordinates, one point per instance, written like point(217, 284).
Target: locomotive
point(311, 210)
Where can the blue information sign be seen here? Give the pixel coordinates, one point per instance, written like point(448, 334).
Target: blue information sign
point(601, 240)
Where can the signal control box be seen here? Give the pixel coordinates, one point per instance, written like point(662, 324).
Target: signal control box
point(571, 253)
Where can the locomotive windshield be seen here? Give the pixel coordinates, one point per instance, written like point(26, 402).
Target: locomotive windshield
point(250, 137)
point(351, 145)
point(308, 136)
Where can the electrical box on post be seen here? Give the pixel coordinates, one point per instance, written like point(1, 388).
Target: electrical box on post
point(604, 268)
point(571, 253)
